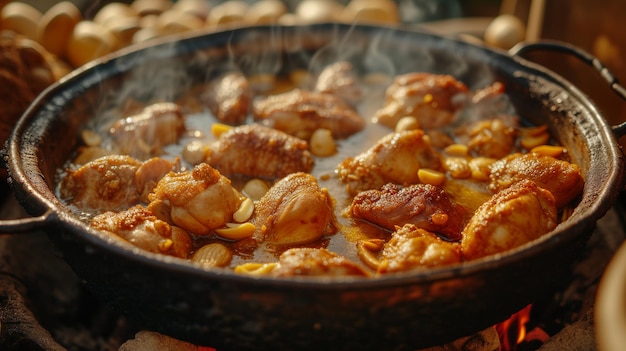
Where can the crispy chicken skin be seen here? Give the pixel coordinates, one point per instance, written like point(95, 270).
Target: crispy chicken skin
point(294, 211)
point(301, 112)
point(105, 184)
point(229, 97)
point(144, 134)
point(395, 158)
point(432, 99)
point(143, 229)
point(424, 205)
point(512, 217)
point(411, 247)
point(197, 201)
point(258, 151)
point(340, 79)
point(315, 262)
point(561, 178)
point(114, 182)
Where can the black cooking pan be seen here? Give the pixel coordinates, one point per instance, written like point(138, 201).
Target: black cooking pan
point(232, 312)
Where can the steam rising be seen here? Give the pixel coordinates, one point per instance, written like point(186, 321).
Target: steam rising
point(164, 71)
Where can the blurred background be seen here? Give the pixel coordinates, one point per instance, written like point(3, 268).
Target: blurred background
point(591, 25)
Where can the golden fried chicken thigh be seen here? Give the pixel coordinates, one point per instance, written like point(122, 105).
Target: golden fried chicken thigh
point(432, 99)
point(104, 184)
point(424, 205)
point(512, 217)
point(229, 97)
point(315, 262)
point(294, 211)
point(144, 134)
point(561, 178)
point(257, 151)
point(141, 228)
point(340, 79)
point(301, 112)
point(395, 158)
point(411, 247)
point(197, 201)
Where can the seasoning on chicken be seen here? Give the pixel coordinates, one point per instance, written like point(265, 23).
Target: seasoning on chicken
point(144, 134)
point(561, 178)
point(315, 262)
point(493, 138)
point(340, 79)
point(105, 184)
point(294, 211)
point(432, 99)
point(512, 217)
point(301, 112)
point(150, 173)
point(140, 227)
point(229, 97)
point(261, 152)
point(395, 158)
point(411, 247)
point(197, 201)
point(424, 205)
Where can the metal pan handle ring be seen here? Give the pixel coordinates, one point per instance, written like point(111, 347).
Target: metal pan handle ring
point(585, 57)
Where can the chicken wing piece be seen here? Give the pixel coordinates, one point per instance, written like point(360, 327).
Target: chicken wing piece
point(197, 201)
point(261, 152)
point(432, 99)
point(315, 262)
point(424, 205)
point(294, 211)
point(229, 97)
point(512, 217)
point(143, 229)
point(395, 158)
point(561, 178)
point(340, 79)
point(411, 247)
point(144, 134)
point(105, 184)
point(301, 112)
point(493, 138)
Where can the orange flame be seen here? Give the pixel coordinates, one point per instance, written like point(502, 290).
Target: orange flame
point(512, 331)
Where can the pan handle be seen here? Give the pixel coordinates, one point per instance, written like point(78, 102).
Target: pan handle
point(585, 57)
point(26, 225)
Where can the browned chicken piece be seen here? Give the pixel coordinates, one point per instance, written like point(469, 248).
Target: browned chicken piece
point(432, 99)
point(294, 211)
point(229, 97)
point(512, 217)
point(340, 79)
point(411, 247)
point(143, 229)
point(315, 262)
point(150, 173)
point(105, 184)
point(395, 158)
point(258, 151)
point(424, 205)
point(301, 112)
point(144, 134)
point(197, 201)
point(493, 138)
point(561, 178)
